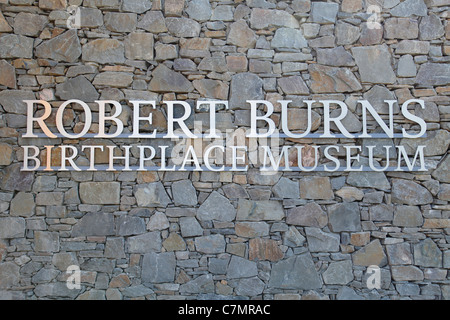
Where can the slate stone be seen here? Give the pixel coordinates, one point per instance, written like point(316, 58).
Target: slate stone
point(316, 188)
point(347, 293)
point(406, 66)
point(201, 284)
point(113, 79)
point(166, 80)
point(9, 275)
point(286, 189)
point(324, 12)
point(44, 183)
point(213, 89)
point(382, 212)
point(218, 265)
point(90, 17)
point(399, 253)
point(431, 28)
point(199, 10)
point(374, 64)
point(406, 273)
point(55, 290)
point(409, 8)
point(7, 74)
point(344, 217)
point(144, 243)
point(288, 39)
point(184, 193)
point(250, 287)
point(410, 193)
point(136, 6)
point(264, 18)
point(255, 177)
point(22, 205)
point(325, 79)
point(100, 192)
point(297, 272)
point(104, 51)
point(376, 97)
point(319, 241)
point(241, 35)
point(12, 179)
point(259, 210)
point(251, 229)
point(442, 172)
point(241, 268)
point(77, 88)
point(433, 74)
point(45, 241)
point(174, 242)
point(245, 86)
point(293, 85)
point(401, 28)
point(151, 195)
point(158, 267)
point(4, 25)
point(293, 238)
point(94, 224)
point(137, 291)
point(340, 273)
point(16, 46)
point(183, 27)
point(371, 254)
point(260, 249)
point(44, 275)
point(210, 244)
point(139, 46)
point(153, 21)
point(414, 47)
point(12, 100)
point(367, 179)
point(12, 227)
point(407, 289)
point(335, 57)
point(29, 24)
point(427, 254)
point(234, 191)
point(130, 225)
point(216, 207)
point(115, 248)
point(309, 215)
point(190, 227)
point(120, 22)
point(346, 33)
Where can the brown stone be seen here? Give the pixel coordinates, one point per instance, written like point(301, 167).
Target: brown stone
point(351, 5)
point(326, 79)
point(166, 80)
point(209, 88)
point(293, 85)
point(237, 63)
point(316, 188)
point(298, 119)
point(173, 8)
point(360, 239)
point(53, 4)
point(309, 215)
point(7, 75)
point(436, 223)
point(241, 35)
point(139, 46)
point(264, 249)
point(4, 25)
point(371, 254)
point(6, 152)
point(174, 242)
point(120, 281)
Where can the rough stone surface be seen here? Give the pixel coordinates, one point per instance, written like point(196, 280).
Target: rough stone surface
point(374, 63)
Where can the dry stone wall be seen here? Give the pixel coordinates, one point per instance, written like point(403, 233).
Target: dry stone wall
point(191, 235)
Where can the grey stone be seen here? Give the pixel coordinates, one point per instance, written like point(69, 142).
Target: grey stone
point(336, 57)
point(137, 291)
point(347, 293)
point(264, 18)
point(410, 193)
point(368, 179)
point(130, 225)
point(216, 207)
point(374, 63)
point(407, 289)
point(104, 51)
point(399, 253)
point(12, 100)
point(340, 272)
point(286, 189)
point(259, 210)
point(137, 6)
point(29, 24)
point(49, 198)
point(241, 268)
point(250, 287)
point(408, 8)
point(199, 10)
point(296, 272)
point(401, 28)
point(77, 88)
point(12, 227)
point(346, 33)
point(427, 254)
point(151, 195)
point(376, 97)
point(144, 243)
point(100, 192)
point(184, 193)
point(287, 39)
point(94, 224)
point(45, 275)
point(210, 244)
point(379, 149)
point(293, 238)
point(241, 35)
point(319, 241)
point(92, 294)
point(166, 80)
point(13, 179)
point(120, 22)
point(201, 284)
point(218, 265)
point(158, 267)
point(413, 47)
point(430, 27)
point(16, 46)
point(9, 275)
point(44, 183)
point(139, 46)
point(255, 177)
point(344, 217)
point(324, 12)
point(115, 248)
point(90, 17)
point(350, 121)
point(45, 241)
point(316, 188)
point(327, 79)
point(190, 227)
point(62, 260)
point(309, 215)
point(222, 13)
point(406, 273)
point(234, 191)
point(370, 254)
point(183, 27)
point(22, 205)
point(436, 143)
point(433, 74)
point(55, 290)
point(442, 172)
point(408, 216)
point(251, 229)
point(406, 66)
point(153, 21)
point(245, 86)
point(293, 85)
point(65, 47)
point(382, 212)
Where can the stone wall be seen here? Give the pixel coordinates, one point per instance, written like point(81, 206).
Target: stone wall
point(191, 235)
